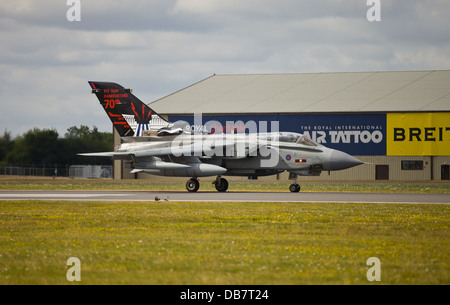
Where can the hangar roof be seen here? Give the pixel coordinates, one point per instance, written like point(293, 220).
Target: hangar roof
point(414, 91)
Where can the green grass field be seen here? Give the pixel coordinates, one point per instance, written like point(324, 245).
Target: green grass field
point(65, 184)
point(223, 243)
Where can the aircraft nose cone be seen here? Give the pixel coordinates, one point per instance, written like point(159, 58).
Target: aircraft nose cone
point(340, 160)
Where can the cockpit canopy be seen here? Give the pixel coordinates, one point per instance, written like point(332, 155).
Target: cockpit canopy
point(290, 137)
point(307, 141)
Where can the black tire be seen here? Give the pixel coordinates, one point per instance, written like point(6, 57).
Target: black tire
point(294, 188)
point(221, 185)
point(192, 185)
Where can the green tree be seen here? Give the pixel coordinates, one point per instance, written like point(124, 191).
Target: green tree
point(44, 147)
point(6, 144)
point(34, 147)
point(83, 140)
point(81, 132)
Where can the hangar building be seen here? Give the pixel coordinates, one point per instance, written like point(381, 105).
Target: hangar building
point(397, 122)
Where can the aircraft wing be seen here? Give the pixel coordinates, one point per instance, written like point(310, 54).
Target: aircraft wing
point(111, 154)
point(187, 150)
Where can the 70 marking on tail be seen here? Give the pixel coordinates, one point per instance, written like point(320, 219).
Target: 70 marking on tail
point(111, 103)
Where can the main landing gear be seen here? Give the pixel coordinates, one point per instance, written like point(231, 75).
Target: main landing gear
point(192, 185)
point(221, 185)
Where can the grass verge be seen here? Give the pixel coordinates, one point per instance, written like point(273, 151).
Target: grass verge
point(223, 243)
point(64, 184)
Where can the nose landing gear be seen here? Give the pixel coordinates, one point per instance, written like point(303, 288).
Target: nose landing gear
point(294, 187)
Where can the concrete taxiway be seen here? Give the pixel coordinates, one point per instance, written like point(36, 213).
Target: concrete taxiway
point(122, 196)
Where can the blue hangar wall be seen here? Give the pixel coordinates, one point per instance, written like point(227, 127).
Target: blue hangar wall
point(356, 134)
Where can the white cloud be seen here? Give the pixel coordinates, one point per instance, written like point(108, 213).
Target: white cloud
point(204, 6)
point(433, 57)
point(160, 46)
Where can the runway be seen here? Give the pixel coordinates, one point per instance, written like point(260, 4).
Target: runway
point(306, 197)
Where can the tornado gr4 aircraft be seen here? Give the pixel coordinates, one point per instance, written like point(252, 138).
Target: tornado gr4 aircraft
point(152, 145)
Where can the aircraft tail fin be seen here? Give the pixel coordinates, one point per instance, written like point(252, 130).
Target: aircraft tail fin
point(129, 115)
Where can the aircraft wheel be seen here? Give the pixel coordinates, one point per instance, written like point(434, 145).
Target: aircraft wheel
point(192, 185)
point(294, 188)
point(221, 185)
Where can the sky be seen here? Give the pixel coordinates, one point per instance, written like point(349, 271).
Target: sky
point(158, 47)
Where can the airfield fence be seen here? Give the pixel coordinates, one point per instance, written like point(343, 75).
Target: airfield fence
point(73, 171)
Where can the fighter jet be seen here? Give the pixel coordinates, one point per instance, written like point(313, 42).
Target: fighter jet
point(153, 145)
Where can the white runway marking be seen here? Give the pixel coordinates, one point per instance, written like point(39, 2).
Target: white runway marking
point(58, 196)
point(144, 196)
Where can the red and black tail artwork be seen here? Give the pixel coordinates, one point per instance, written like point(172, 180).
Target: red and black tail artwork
point(122, 107)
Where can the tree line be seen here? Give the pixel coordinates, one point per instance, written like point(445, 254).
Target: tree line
point(44, 147)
